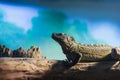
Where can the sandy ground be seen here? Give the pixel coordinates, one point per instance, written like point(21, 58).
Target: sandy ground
point(43, 69)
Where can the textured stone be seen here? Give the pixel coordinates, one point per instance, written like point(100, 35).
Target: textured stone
point(20, 53)
point(5, 52)
point(33, 52)
point(43, 69)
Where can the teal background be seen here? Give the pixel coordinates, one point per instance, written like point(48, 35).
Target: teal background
point(24, 25)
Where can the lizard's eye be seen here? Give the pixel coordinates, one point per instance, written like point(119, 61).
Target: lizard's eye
point(61, 34)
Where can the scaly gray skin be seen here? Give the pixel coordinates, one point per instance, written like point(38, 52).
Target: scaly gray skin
point(81, 52)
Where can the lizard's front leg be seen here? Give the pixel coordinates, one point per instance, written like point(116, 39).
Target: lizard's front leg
point(116, 53)
point(73, 58)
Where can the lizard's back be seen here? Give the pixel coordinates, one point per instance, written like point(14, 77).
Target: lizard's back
point(95, 53)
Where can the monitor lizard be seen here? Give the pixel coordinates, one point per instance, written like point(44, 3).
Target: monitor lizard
point(76, 52)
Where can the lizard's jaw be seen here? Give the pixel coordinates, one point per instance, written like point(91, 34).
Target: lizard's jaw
point(57, 38)
point(54, 36)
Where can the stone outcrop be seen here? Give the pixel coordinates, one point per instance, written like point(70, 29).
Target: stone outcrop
point(5, 52)
point(33, 52)
point(43, 69)
point(20, 53)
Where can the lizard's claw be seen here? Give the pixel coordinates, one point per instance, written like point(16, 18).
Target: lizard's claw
point(67, 63)
point(66, 60)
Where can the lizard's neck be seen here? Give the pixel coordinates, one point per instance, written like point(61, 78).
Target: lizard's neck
point(67, 47)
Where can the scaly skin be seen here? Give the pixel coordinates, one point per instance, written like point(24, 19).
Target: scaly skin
point(81, 52)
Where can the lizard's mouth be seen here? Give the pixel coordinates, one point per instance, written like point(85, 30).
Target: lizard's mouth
point(56, 37)
point(53, 35)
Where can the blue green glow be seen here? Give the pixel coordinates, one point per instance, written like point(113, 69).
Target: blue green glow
point(39, 33)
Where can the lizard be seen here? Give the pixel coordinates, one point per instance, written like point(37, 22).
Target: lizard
point(77, 52)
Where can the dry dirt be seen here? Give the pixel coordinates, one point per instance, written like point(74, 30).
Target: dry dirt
point(43, 69)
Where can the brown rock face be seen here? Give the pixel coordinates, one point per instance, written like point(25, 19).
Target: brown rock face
point(5, 52)
point(33, 52)
point(43, 69)
point(20, 53)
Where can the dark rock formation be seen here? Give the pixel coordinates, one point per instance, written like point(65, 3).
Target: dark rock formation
point(33, 52)
point(5, 52)
point(20, 53)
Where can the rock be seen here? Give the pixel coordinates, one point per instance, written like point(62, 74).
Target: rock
point(34, 52)
point(37, 69)
point(20, 53)
point(5, 52)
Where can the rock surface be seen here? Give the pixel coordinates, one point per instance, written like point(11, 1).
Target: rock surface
point(33, 52)
point(31, 65)
point(20, 52)
point(43, 69)
point(5, 52)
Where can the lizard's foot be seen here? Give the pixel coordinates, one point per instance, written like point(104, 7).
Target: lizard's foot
point(67, 63)
point(116, 65)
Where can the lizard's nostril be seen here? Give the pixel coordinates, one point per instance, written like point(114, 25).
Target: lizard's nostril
point(53, 34)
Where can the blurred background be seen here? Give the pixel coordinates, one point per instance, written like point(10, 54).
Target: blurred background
point(24, 23)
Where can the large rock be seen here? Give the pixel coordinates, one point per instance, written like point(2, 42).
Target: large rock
point(20, 53)
point(43, 69)
point(5, 52)
point(33, 52)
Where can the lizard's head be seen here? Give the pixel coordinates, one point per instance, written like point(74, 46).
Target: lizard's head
point(62, 38)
